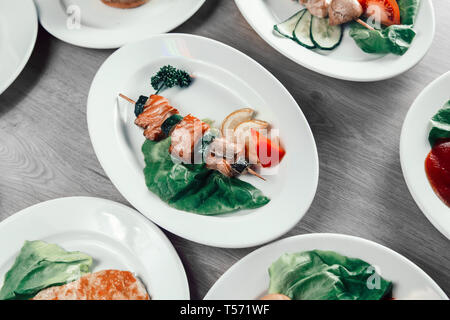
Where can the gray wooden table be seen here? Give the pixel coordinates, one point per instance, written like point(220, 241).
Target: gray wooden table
point(46, 153)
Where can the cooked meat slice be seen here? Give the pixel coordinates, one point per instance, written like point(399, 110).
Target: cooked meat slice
point(102, 285)
point(227, 149)
point(220, 164)
point(154, 103)
point(343, 11)
point(318, 8)
point(156, 100)
point(222, 153)
point(156, 111)
point(153, 130)
point(185, 136)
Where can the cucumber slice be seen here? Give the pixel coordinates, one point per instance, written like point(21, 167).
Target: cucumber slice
point(302, 31)
point(323, 35)
point(286, 28)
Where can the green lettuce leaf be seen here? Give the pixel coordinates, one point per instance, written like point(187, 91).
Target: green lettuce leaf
point(440, 125)
point(326, 275)
point(40, 265)
point(195, 188)
point(408, 11)
point(394, 39)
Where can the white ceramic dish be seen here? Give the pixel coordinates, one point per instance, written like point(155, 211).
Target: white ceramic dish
point(117, 237)
point(248, 279)
point(17, 38)
point(346, 62)
point(414, 148)
point(226, 80)
point(92, 24)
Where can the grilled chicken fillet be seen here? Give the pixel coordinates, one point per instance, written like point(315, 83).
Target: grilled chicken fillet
point(102, 285)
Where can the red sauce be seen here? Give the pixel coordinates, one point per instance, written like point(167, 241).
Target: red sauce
point(437, 167)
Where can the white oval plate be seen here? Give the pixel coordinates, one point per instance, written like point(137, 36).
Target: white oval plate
point(414, 148)
point(17, 38)
point(92, 24)
point(348, 61)
point(226, 80)
point(410, 282)
point(115, 236)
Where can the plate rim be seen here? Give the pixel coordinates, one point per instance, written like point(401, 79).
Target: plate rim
point(112, 44)
point(321, 236)
point(403, 140)
point(335, 75)
point(23, 213)
point(29, 51)
point(209, 242)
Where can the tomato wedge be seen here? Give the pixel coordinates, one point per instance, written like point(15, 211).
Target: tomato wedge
point(269, 153)
point(386, 10)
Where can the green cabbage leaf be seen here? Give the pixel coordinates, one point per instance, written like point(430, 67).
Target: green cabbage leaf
point(40, 265)
point(195, 188)
point(394, 39)
point(326, 275)
point(440, 125)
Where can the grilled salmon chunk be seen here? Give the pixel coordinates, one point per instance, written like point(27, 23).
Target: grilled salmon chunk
point(222, 153)
point(102, 285)
point(156, 111)
point(185, 136)
point(219, 164)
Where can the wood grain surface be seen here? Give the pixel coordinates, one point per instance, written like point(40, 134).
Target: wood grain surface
point(46, 153)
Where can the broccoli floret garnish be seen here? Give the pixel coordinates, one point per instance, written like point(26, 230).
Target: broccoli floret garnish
point(168, 77)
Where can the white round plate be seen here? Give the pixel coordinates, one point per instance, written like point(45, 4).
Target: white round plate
point(92, 24)
point(225, 80)
point(409, 281)
point(346, 62)
point(17, 38)
point(414, 148)
point(115, 236)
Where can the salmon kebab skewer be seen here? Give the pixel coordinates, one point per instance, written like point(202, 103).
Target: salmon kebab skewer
point(102, 285)
point(223, 155)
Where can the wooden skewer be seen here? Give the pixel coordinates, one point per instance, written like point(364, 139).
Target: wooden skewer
point(126, 98)
point(255, 174)
point(134, 102)
point(364, 24)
